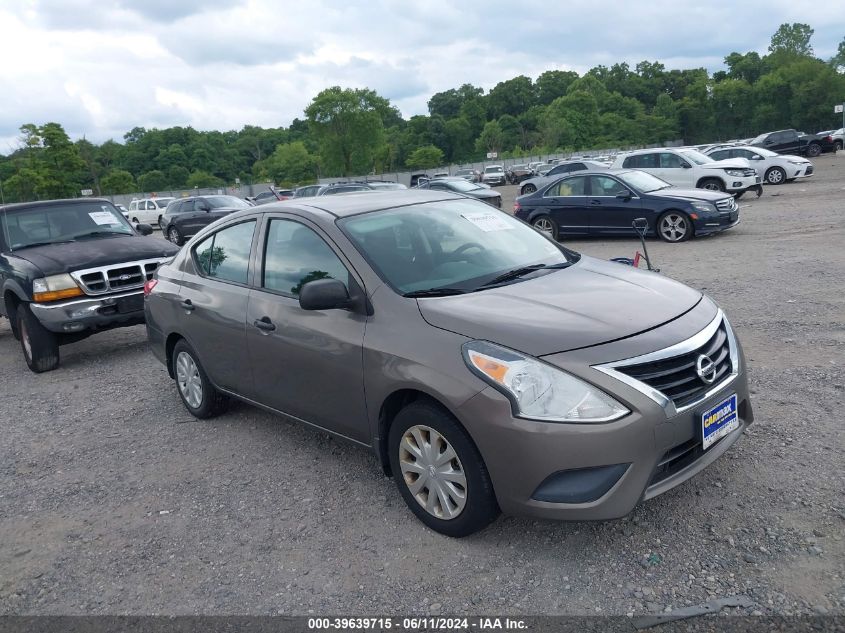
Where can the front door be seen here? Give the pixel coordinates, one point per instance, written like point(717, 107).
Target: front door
point(675, 170)
point(609, 213)
point(566, 201)
point(306, 363)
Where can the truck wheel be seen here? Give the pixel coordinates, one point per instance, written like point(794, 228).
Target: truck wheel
point(713, 184)
point(40, 346)
point(813, 150)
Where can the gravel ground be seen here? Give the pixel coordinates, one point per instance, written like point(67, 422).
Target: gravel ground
point(114, 500)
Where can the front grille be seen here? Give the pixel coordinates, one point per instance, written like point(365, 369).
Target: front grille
point(124, 276)
point(727, 204)
point(676, 459)
point(677, 377)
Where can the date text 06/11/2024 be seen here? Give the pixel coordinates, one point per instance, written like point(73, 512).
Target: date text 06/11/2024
point(417, 623)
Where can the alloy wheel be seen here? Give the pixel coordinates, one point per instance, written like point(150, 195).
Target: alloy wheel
point(188, 379)
point(775, 176)
point(544, 225)
point(173, 235)
point(712, 185)
point(673, 227)
point(433, 472)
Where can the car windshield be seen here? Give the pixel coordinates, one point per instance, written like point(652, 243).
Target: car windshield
point(457, 244)
point(491, 170)
point(758, 139)
point(162, 203)
point(643, 181)
point(62, 223)
point(697, 157)
point(226, 202)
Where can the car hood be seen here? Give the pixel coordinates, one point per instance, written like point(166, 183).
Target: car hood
point(484, 192)
point(792, 157)
point(689, 194)
point(55, 259)
point(590, 303)
point(728, 163)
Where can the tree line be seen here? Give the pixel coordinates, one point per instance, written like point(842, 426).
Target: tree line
point(355, 131)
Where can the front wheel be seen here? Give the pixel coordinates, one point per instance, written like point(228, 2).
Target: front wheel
point(837, 146)
point(813, 150)
point(776, 176)
point(40, 346)
point(674, 226)
point(200, 397)
point(545, 224)
point(529, 188)
point(712, 184)
point(439, 471)
point(174, 236)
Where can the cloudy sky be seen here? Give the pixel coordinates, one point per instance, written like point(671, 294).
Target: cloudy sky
point(101, 67)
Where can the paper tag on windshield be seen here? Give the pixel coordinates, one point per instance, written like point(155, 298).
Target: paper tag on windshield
point(102, 217)
point(488, 221)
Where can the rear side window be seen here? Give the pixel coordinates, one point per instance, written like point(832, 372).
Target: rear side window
point(641, 161)
point(225, 254)
point(575, 186)
point(722, 154)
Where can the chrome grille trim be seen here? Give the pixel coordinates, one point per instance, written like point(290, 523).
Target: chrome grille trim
point(684, 347)
point(116, 277)
point(728, 204)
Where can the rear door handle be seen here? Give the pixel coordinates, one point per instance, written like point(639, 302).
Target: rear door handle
point(187, 305)
point(595, 203)
point(265, 324)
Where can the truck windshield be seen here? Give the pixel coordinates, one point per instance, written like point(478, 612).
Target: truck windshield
point(51, 224)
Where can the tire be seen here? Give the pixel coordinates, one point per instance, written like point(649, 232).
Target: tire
point(712, 184)
point(674, 226)
point(529, 188)
point(776, 176)
point(159, 221)
point(135, 221)
point(466, 502)
point(738, 195)
point(813, 150)
point(200, 397)
point(837, 146)
point(174, 236)
point(545, 224)
point(40, 346)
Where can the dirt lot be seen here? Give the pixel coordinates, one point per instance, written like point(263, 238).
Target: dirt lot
point(114, 500)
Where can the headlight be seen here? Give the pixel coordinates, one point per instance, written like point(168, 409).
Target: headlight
point(539, 391)
point(704, 207)
point(55, 287)
point(736, 173)
point(798, 162)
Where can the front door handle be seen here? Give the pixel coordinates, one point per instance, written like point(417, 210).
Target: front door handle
point(187, 305)
point(595, 203)
point(265, 324)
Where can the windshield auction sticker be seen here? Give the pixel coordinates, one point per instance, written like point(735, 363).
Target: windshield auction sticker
point(488, 221)
point(102, 217)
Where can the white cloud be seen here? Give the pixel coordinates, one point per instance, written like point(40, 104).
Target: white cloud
point(102, 67)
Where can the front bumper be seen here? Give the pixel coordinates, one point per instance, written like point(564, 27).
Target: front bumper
point(617, 464)
point(91, 313)
point(735, 184)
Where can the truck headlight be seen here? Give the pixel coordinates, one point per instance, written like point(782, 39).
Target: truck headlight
point(539, 391)
point(55, 287)
point(736, 173)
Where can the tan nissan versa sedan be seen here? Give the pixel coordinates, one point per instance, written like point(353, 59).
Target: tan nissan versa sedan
point(486, 365)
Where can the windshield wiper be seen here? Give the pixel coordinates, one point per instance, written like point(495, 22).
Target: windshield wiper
point(519, 272)
point(435, 292)
point(34, 244)
point(99, 234)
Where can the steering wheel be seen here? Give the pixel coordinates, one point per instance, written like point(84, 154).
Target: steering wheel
point(465, 247)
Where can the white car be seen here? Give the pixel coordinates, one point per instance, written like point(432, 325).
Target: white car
point(148, 210)
point(690, 169)
point(494, 175)
point(776, 169)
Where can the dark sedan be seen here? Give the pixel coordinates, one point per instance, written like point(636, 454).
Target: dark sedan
point(456, 184)
point(185, 217)
point(606, 203)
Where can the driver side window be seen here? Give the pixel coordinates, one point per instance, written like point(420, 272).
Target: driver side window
point(568, 187)
point(294, 255)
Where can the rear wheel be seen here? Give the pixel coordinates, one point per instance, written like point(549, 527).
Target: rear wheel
point(174, 236)
point(813, 150)
point(529, 188)
point(439, 471)
point(40, 346)
point(159, 220)
point(545, 224)
point(776, 176)
point(837, 146)
point(674, 226)
point(198, 395)
point(713, 184)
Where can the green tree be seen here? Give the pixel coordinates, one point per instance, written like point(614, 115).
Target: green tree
point(553, 84)
point(490, 139)
point(203, 180)
point(838, 60)
point(290, 164)
point(118, 181)
point(792, 40)
point(152, 181)
point(349, 126)
point(425, 157)
point(513, 97)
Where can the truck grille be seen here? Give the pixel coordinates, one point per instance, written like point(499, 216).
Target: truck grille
point(677, 378)
point(123, 276)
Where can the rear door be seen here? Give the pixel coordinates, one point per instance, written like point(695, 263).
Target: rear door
point(306, 363)
point(609, 213)
point(567, 203)
point(213, 304)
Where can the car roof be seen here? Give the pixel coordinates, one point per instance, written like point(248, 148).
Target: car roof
point(49, 203)
point(366, 201)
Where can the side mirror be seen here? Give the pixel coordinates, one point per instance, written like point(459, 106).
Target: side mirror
point(324, 294)
point(686, 165)
point(144, 229)
point(624, 195)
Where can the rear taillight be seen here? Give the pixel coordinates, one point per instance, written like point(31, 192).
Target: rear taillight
point(149, 285)
point(516, 206)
